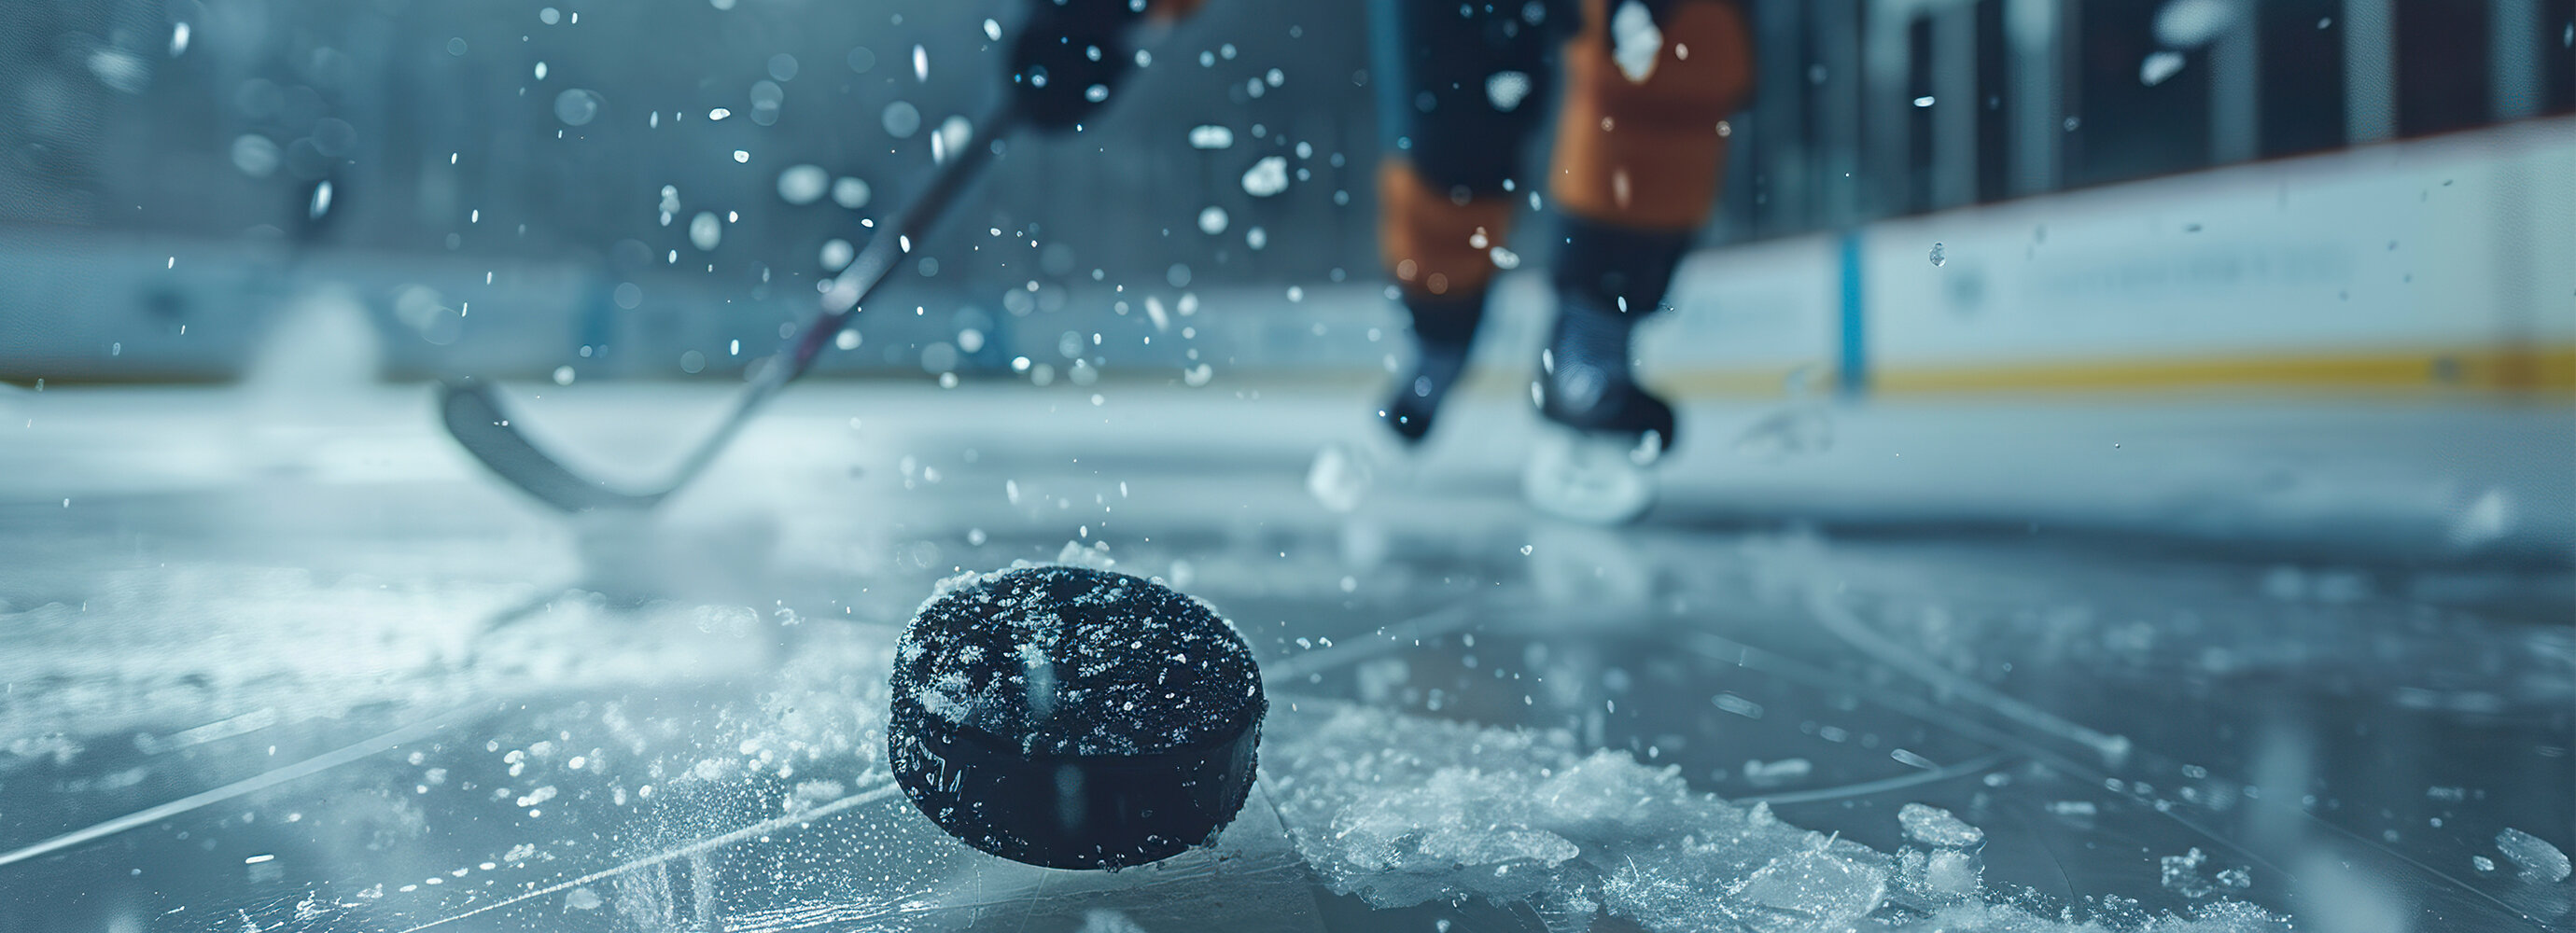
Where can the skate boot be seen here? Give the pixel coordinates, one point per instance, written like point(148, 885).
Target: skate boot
point(1606, 432)
point(1345, 472)
point(1443, 331)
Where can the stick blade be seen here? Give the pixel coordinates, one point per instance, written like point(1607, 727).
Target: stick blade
point(472, 411)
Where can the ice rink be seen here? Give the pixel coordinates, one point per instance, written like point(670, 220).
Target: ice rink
point(284, 659)
point(2124, 480)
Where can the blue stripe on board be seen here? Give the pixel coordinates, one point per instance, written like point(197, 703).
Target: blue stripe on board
point(1852, 369)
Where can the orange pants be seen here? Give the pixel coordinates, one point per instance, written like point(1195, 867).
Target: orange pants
point(1639, 144)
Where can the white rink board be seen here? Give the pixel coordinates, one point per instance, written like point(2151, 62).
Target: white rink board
point(2291, 257)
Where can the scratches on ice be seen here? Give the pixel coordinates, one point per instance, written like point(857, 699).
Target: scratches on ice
point(765, 827)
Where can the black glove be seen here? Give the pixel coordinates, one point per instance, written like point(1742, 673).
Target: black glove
point(1069, 55)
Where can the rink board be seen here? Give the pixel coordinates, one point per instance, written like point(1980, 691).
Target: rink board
point(2441, 262)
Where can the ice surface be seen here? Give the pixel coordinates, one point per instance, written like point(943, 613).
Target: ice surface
point(1933, 826)
point(2539, 860)
point(119, 651)
point(1404, 810)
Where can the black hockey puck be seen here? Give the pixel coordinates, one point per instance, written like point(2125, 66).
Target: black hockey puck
point(1073, 718)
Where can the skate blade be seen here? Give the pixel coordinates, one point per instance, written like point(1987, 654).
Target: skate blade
point(1591, 478)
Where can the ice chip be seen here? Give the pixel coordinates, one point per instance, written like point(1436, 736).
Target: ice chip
point(803, 184)
point(2539, 861)
point(955, 132)
point(255, 155)
point(1951, 872)
point(2487, 518)
point(1211, 137)
point(1340, 476)
point(1097, 920)
point(900, 119)
point(851, 193)
point(1267, 177)
point(2181, 874)
point(1634, 41)
point(2158, 66)
point(2186, 24)
point(1938, 259)
point(577, 107)
point(1801, 428)
point(1776, 773)
point(1933, 826)
point(1506, 89)
point(1811, 890)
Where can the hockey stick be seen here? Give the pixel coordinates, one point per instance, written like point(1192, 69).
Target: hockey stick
point(475, 414)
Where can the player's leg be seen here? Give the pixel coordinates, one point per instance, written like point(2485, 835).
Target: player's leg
point(1459, 90)
point(1640, 144)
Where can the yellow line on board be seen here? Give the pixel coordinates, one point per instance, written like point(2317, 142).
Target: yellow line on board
point(2543, 370)
point(2550, 369)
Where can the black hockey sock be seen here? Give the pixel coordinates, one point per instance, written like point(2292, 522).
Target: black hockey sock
point(1443, 331)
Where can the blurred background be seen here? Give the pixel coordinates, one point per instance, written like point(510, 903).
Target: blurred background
point(628, 192)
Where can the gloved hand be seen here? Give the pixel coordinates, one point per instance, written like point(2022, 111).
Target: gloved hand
point(1069, 56)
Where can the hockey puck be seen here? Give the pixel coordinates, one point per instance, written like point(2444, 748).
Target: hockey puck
point(1073, 718)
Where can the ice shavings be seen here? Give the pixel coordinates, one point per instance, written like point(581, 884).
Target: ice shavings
point(2538, 860)
point(1933, 826)
point(1403, 810)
